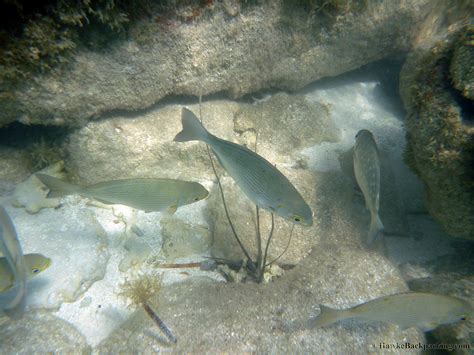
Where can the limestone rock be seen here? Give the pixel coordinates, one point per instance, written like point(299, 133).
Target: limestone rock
point(77, 246)
point(236, 318)
point(122, 147)
point(41, 333)
point(31, 193)
point(285, 124)
point(440, 138)
point(181, 239)
point(271, 45)
point(137, 252)
point(13, 169)
point(339, 271)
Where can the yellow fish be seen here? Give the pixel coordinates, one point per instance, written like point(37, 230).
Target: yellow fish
point(12, 302)
point(35, 264)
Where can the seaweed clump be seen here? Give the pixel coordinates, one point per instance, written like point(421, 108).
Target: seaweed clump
point(41, 146)
point(43, 153)
point(440, 136)
point(462, 63)
point(139, 291)
point(36, 37)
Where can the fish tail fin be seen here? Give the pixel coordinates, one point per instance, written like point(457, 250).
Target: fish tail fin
point(15, 298)
point(375, 227)
point(57, 187)
point(327, 316)
point(193, 130)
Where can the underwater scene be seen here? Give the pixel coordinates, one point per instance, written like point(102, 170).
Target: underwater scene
point(237, 176)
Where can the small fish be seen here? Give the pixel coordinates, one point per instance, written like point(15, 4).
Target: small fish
point(13, 301)
point(367, 173)
point(143, 194)
point(409, 309)
point(35, 264)
point(263, 184)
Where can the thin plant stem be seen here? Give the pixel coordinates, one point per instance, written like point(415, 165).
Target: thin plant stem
point(163, 327)
point(259, 242)
point(247, 255)
point(268, 242)
point(260, 263)
point(284, 251)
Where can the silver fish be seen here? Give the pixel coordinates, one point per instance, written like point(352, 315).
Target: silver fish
point(143, 194)
point(12, 301)
point(409, 309)
point(266, 186)
point(367, 173)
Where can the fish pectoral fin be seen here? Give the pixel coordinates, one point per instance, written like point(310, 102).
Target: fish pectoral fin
point(171, 209)
point(326, 316)
point(103, 201)
point(426, 327)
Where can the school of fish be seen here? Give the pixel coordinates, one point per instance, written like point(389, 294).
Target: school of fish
point(265, 186)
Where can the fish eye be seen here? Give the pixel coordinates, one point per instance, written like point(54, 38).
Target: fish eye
point(297, 218)
point(196, 199)
point(464, 318)
point(35, 270)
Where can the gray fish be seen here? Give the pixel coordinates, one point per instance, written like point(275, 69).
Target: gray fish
point(367, 173)
point(143, 194)
point(12, 301)
point(410, 309)
point(266, 186)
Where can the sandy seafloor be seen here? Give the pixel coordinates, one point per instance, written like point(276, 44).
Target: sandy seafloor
point(82, 284)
